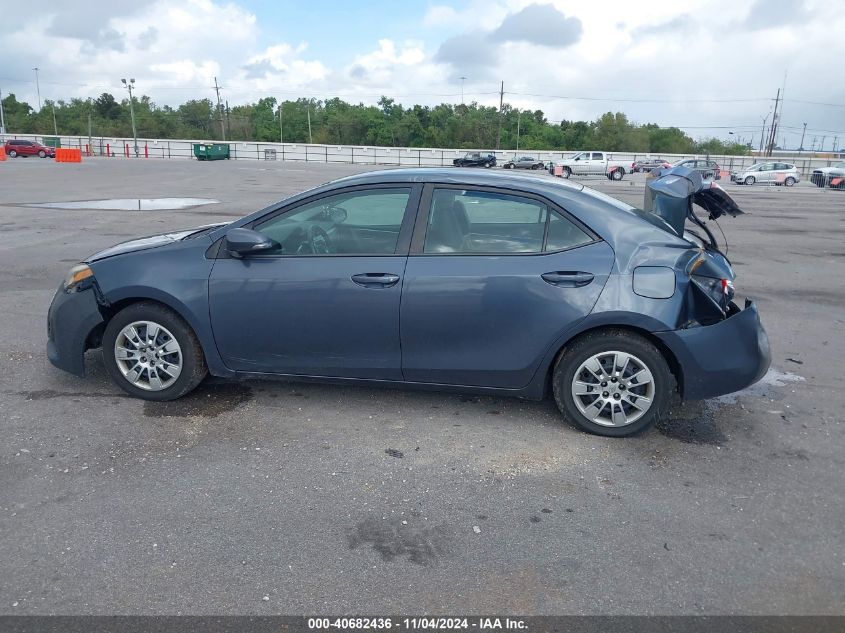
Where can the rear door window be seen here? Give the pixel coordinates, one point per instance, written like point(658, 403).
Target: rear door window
point(469, 221)
point(563, 234)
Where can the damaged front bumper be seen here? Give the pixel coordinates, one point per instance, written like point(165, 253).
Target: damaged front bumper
point(721, 358)
point(72, 319)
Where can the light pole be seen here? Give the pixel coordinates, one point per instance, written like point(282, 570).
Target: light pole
point(763, 131)
point(132, 112)
point(2, 116)
point(37, 88)
point(463, 79)
point(518, 117)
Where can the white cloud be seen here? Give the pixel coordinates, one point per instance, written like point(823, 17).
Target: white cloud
point(698, 50)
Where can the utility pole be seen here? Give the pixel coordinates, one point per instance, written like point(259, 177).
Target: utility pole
point(773, 132)
point(90, 145)
point(501, 105)
point(803, 132)
point(281, 126)
point(310, 140)
point(55, 127)
point(518, 116)
point(821, 146)
point(132, 112)
point(37, 88)
point(219, 110)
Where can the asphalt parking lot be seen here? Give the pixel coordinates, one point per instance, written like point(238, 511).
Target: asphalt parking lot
point(264, 497)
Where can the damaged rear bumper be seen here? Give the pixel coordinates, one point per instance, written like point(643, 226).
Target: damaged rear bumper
point(721, 358)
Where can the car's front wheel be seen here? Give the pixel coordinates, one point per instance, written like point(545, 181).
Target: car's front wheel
point(750, 180)
point(612, 382)
point(42, 154)
point(152, 353)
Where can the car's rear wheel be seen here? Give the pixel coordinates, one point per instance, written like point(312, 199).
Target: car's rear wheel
point(750, 180)
point(152, 353)
point(12, 153)
point(566, 172)
point(789, 181)
point(612, 382)
point(42, 154)
point(617, 174)
point(509, 166)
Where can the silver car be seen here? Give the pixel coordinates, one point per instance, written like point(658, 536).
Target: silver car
point(773, 173)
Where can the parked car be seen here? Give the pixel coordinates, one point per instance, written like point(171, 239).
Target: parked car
point(475, 159)
point(429, 279)
point(829, 176)
point(28, 148)
point(708, 169)
point(648, 164)
point(590, 164)
point(772, 172)
point(524, 162)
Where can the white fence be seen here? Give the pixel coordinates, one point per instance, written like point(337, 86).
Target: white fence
point(361, 155)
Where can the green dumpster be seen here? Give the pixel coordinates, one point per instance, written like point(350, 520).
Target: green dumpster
point(211, 151)
point(53, 141)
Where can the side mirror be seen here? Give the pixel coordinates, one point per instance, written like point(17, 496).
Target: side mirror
point(240, 242)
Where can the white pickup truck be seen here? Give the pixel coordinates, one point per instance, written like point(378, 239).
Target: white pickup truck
point(590, 164)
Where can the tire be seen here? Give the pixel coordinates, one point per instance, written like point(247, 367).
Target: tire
point(617, 174)
point(790, 181)
point(567, 172)
point(607, 347)
point(535, 167)
point(509, 166)
point(488, 165)
point(42, 154)
point(171, 326)
point(750, 180)
point(12, 153)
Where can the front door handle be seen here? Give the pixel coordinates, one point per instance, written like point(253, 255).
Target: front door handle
point(375, 280)
point(568, 279)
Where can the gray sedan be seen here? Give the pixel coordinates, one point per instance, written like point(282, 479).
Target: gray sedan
point(524, 162)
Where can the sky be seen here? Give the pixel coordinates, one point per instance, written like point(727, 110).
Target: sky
point(711, 67)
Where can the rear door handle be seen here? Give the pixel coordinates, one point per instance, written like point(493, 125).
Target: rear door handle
point(568, 279)
point(375, 280)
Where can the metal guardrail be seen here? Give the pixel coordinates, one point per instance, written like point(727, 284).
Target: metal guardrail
point(388, 156)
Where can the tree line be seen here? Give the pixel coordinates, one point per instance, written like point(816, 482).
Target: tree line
point(335, 121)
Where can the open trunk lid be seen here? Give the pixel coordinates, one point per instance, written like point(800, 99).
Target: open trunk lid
point(672, 192)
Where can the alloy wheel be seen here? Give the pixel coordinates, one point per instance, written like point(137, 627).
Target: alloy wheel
point(148, 355)
point(613, 388)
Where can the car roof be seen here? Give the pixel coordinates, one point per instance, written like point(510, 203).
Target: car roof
point(457, 175)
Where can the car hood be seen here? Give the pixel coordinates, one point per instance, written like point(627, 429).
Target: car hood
point(151, 241)
point(671, 194)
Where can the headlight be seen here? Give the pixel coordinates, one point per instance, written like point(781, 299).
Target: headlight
point(77, 277)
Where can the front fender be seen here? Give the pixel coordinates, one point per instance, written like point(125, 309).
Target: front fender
point(175, 276)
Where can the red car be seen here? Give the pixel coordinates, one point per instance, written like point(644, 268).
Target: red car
point(28, 148)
